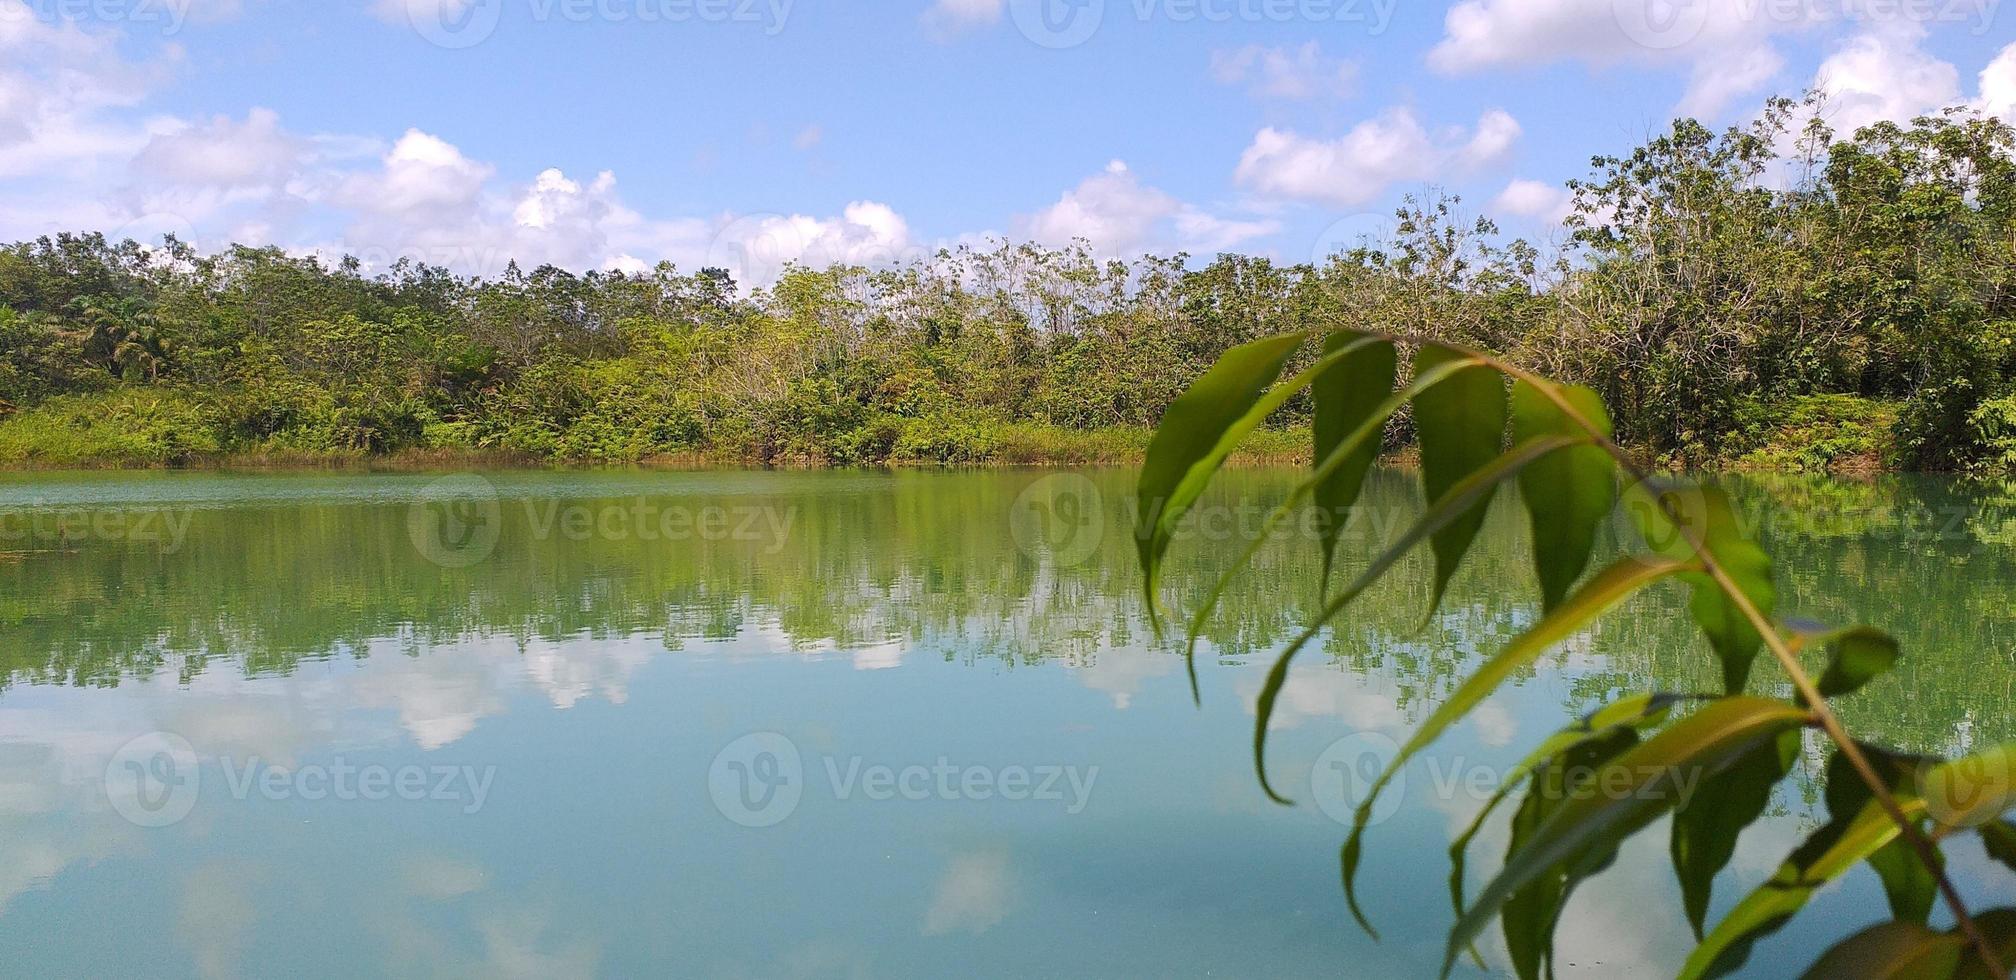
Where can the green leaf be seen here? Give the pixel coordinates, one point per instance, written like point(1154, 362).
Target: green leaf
point(1706, 827)
point(1367, 433)
point(1610, 587)
point(1672, 517)
point(1891, 951)
point(1909, 886)
point(1530, 916)
point(1998, 838)
point(1833, 849)
point(1857, 656)
point(1637, 712)
point(1568, 493)
point(1349, 395)
point(1638, 786)
point(1459, 498)
point(1196, 435)
point(1461, 424)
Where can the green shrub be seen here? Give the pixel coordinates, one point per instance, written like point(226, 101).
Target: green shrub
point(149, 426)
point(1813, 433)
point(1994, 428)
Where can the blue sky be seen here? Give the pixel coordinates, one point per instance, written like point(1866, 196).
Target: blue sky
point(597, 133)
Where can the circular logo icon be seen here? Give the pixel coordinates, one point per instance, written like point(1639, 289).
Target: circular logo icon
point(454, 23)
point(1362, 230)
point(757, 780)
point(1661, 25)
point(1343, 776)
point(756, 248)
point(1058, 23)
point(1967, 792)
point(1664, 515)
point(1060, 518)
point(456, 521)
point(153, 780)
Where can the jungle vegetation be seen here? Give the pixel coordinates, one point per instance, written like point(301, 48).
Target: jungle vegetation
point(1774, 293)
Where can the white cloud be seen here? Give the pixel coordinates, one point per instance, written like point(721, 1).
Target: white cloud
point(1358, 167)
point(56, 83)
point(1534, 199)
point(809, 137)
point(1285, 73)
point(1998, 86)
point(945, 18)
point(223, 153)
point(1725, 41)
point(1884, 74)
point(1119, 215)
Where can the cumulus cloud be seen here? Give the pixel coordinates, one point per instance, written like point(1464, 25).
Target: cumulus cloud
point(1884, 74)
point(1725, 41)
point(1358, 167)
point(1998, 86)
point(1285, 73)
point(56, 81)
point(1119, 215)
point(223, 153)
point(1533, 199)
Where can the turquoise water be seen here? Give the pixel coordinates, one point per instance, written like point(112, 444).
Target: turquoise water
point(832, 725)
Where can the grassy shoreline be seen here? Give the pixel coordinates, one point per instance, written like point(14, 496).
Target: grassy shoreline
point(1818, 434)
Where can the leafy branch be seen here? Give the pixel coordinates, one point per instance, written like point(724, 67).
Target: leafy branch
point(1712, 767)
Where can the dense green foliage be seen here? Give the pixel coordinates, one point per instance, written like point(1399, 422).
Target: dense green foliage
point(1708, 286)
point(1708, 760)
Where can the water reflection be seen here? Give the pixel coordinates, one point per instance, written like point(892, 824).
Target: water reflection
point(596, 640)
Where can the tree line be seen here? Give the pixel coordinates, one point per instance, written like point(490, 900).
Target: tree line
point(1774, 292)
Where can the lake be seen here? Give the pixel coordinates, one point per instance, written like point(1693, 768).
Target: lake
point(840, 724)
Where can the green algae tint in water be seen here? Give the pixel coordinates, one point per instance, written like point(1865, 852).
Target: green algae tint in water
point(833, 724)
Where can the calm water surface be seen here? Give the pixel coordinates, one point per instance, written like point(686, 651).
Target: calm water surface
point(831, 725)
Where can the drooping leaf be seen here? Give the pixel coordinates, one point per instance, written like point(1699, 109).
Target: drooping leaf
point(1568, 493)
point(1348, 395)
point(1908, 885)
point(1998, 838)
point(1673, 518)
point(1531, 914)
point(1452, 505)
point(1461, 425)
point(1638, 785)
point(1705, 828)
point(1833, 849)
point(1856, 656)
point(1340, 455)
point(1192, 441)
point(1636, 712)
point(1890, 951)
point(1610, 587)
